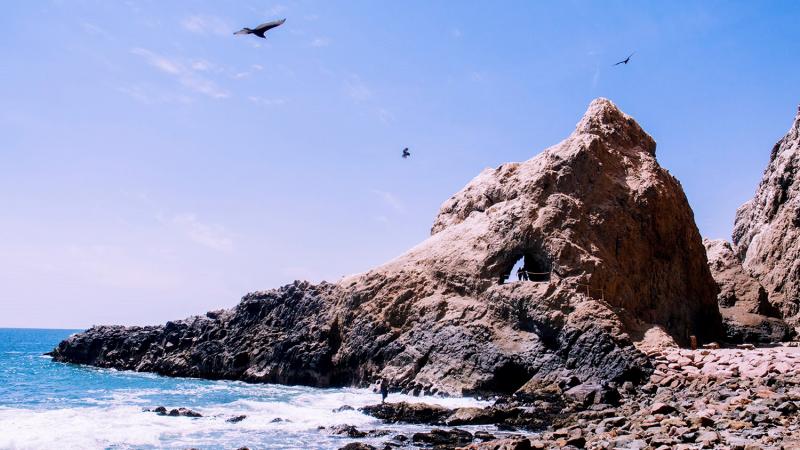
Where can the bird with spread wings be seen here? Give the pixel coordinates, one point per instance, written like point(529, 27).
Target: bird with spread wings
point(261, 29)
point(626, 60)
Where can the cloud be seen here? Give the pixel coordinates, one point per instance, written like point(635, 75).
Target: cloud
point(95, 30)
point(356, 89)
point(185, 75)
point(202, 24)
point(390, 199)
point(277, 9)
point(214, 237)
point(455, 33)
point(159, 62)
point(266, 101)
point(320, 42)
point(384, 115)
point(201, 65)
point(151, 96)
point(254, 68)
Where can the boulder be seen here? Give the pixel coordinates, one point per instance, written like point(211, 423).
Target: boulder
point(766, 235)
point(451, 438)
point(409, 412)
point(501, 444)
point(175, 412)
point(357, 446)
point(606, 233)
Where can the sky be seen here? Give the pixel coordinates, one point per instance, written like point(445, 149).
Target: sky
point(155, 166)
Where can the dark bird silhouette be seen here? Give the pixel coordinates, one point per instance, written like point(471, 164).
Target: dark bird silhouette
point(626, 60)
point(261, 29)
point(406, 153)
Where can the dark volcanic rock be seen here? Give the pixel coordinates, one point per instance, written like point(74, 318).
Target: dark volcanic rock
point(607, 230)
point(747, 314)
point(443, 438)
point(357, 446)
point(347, 430)
point(766, 234)
point(176, 412)
point(236, 419)
point(409, 412)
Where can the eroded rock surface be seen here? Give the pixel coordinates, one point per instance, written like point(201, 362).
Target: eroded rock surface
point(747, 314)
point(766, 235)
point(606, 232)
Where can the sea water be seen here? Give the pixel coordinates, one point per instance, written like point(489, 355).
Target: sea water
point(50, 405)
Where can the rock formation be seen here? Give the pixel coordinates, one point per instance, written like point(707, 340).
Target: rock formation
point(747, 314)
point(606, 233)
point(766, 234)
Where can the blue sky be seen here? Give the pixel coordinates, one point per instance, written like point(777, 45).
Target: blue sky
point(153, 165)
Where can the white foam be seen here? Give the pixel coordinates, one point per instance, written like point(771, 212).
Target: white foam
point(114, 418)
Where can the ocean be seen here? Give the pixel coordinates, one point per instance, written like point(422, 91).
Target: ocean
point(50, 405)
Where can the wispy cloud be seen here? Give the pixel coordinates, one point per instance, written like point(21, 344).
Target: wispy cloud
point(266, 101)
point(357, 89)
point(159, 62)
point(320, 42)
point(204, 24)
point(150, 95)
point(384, 115)
point(276, 9)
point(210, 236)
point(455, 33)
point(186, 75)
point(246, 73)
point(95, 30)
point(390, 199)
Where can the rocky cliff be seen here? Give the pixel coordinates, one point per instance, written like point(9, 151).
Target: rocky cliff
point(748, 316)
point(766, 234)
point(606, 234)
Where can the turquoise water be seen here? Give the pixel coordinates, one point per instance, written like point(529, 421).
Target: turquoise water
point(50, 405)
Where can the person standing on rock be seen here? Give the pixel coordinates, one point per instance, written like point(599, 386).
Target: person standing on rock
point(384, 389)
point(522, 274)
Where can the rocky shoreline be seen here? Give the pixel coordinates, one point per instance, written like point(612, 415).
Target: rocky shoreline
point(727, 398)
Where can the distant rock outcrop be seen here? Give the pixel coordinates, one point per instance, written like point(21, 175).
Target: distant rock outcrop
point(606, 235)
point(748, 317)
point(766, 234)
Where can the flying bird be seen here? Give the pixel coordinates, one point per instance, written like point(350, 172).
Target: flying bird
point(406, 153)
point(261, 29)
point(626, 60)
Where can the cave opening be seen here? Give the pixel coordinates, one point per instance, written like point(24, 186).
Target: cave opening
point(530, 266)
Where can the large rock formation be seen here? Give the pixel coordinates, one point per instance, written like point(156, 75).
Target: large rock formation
point(766, 234)
point(606, 232)
point(748, 317)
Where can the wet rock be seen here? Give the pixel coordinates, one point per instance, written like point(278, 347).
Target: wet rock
point(343, 408)
point(347, 430)
point(175, 412)
point(357, 446)
point(236, 419)
point(409, 412)
point(484, 436)
point(437, 437)
point(481, 416)
point(183, 412)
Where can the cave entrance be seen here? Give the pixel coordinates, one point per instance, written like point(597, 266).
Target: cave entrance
point(531, 266)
